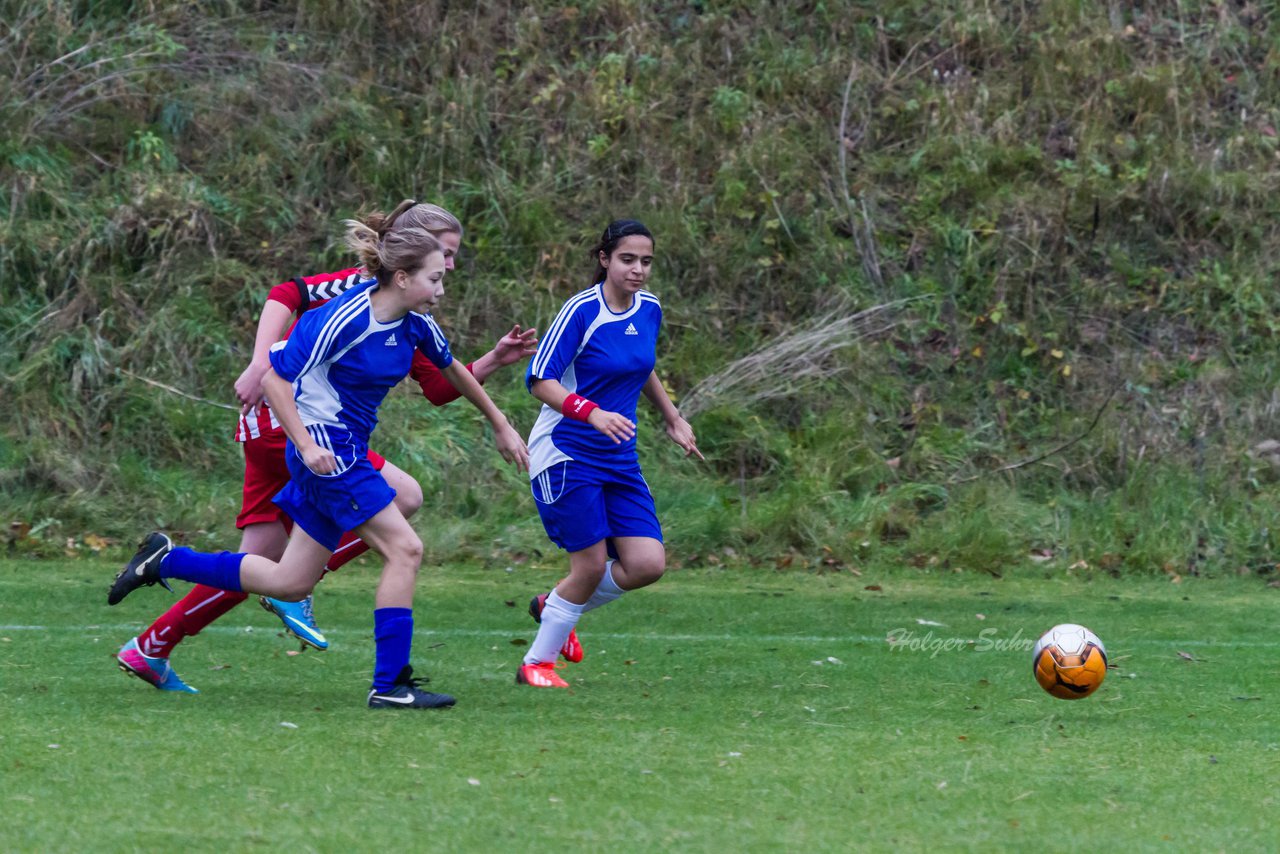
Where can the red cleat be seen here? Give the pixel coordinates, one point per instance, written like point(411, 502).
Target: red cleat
point(572, 649)
point(542, 675)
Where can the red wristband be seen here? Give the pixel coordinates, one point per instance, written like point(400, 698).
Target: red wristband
point(577, 407)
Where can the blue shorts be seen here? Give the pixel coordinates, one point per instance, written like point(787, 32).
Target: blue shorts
point(581, 505)
point(327, 506)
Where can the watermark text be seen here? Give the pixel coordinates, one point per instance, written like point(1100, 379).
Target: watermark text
point(988, 640)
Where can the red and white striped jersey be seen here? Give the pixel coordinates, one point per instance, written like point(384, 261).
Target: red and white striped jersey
point(300, 295)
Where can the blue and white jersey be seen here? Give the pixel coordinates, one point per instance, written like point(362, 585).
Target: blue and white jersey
point(606, 357)
point(342, 362)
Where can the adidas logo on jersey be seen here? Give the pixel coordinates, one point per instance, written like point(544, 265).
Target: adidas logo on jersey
point(391, 342)
point(631, 330)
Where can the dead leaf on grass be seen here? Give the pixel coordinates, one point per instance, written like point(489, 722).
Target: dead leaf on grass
point(96, 543)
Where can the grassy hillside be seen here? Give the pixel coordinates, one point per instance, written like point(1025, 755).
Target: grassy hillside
point(1066, 210)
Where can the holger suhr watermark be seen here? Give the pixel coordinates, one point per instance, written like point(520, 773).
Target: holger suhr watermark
point(988, 640)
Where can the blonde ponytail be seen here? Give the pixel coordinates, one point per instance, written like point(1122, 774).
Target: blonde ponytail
point(401, 239)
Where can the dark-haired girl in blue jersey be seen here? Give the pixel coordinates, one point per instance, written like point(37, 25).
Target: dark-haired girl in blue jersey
point(595, 361)
point(326, 384)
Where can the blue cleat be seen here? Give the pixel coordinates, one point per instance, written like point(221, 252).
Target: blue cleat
point(298, 620)
point(157, 671)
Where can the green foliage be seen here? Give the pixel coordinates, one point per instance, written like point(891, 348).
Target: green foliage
point(1083, 193)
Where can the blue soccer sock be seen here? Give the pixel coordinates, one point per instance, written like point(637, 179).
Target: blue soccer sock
point(393, 636)
point(220, 569)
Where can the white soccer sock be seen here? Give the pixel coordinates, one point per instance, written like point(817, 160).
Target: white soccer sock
point(606, 591)
point(559, 616)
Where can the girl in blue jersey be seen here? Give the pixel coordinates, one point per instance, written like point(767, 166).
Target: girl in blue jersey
point(325, 386)
point(590, 370)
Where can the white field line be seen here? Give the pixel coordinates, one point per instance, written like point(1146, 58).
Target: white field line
point(124, 630)
point(99, 629)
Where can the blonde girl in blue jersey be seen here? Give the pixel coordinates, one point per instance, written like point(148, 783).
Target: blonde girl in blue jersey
point(592, 366)
point(325, 385)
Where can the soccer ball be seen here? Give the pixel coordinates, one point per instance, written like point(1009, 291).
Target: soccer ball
point(1069, 661)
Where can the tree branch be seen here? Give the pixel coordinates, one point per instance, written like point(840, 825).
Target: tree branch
point(1097, 416)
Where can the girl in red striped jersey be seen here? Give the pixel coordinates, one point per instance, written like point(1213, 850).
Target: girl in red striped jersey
point(327, 383)
point(264, 527)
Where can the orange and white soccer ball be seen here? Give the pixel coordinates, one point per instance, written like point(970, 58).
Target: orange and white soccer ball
point(1070, 661)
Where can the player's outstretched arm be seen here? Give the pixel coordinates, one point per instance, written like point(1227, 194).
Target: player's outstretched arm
point(516, 346)
point(677, 428)
point(511, 348)
point(271, 326)
point(617, 427)
point(510, 445)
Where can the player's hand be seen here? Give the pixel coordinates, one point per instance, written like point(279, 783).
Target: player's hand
point(512, 447)
point(617, 427)
point(682, 434)
point(249, 386)
point(319, 460)
point(515, 345)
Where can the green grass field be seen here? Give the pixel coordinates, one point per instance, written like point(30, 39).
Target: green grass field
point(718, 711)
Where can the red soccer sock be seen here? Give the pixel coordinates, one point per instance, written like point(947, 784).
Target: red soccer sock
point(187, 617)
point(349, 548)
